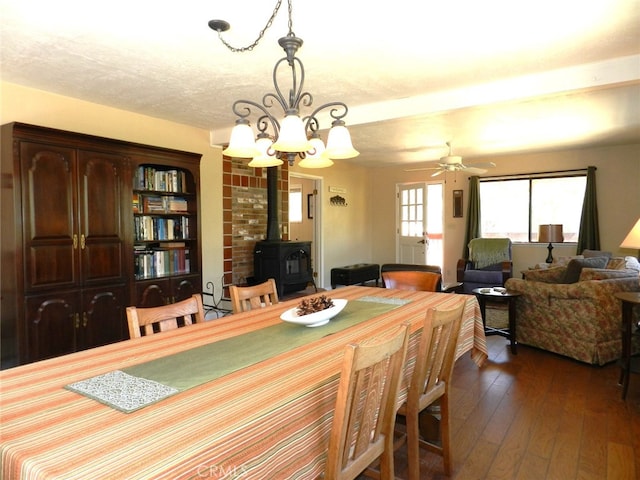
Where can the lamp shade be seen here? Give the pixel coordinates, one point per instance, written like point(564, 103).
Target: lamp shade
point(263, 144)
point(292, 136)
point(339, 144)
point(319, 158)
point(632, 240)
point(242, 143)
point(550, 233)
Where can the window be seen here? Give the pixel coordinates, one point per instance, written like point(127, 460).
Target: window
point(514, 207)
point(295, 204)
point(412, 210)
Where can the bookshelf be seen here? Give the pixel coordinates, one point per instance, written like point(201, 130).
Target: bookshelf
point(165, 233)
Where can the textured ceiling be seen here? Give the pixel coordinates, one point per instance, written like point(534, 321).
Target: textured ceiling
point(491, 77)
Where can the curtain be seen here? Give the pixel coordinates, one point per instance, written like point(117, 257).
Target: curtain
point(589, 235)
point(473, 215)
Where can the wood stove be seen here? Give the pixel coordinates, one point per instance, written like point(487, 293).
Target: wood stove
point(287, 262)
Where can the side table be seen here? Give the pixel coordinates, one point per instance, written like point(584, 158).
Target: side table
point(499, 295)
point(628, 364)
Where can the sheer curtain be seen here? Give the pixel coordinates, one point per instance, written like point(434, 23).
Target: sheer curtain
point(589, 236)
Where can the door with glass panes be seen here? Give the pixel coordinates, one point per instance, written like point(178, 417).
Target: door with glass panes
point(419, 220)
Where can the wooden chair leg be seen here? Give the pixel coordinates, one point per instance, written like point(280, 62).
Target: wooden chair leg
point(445, 429)
point(413, 446)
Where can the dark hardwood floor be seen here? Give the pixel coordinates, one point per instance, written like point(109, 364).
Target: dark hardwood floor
point(536, 415)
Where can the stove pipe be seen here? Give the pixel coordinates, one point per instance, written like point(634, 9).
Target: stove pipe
point(273, 232)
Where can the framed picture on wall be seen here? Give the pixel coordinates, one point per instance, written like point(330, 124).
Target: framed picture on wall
point(457, 203)
point(311, 205)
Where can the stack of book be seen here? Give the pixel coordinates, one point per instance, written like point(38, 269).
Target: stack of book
point(170, 259)
point(149, 178)
point(147, 228)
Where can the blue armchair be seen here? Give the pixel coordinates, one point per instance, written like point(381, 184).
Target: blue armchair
point(489, 264)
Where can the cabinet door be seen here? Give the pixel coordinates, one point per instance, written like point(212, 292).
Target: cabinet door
point(48, 196)
point(101, 217)
point(52, 321)
point(185, 287)
point(153, 293)
point(102, 318)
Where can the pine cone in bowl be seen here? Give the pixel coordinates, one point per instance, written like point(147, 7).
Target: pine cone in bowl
point(313, 305)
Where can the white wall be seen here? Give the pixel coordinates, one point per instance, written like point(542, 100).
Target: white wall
point(618, 189)
point(345, 231)
point(26, 105)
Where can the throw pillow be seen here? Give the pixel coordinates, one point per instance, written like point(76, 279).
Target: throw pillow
point(616, 263)
point(632, 263)
point(572, 274)
point(595, 253)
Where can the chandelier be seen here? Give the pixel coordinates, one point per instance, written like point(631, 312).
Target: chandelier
point(292, 136)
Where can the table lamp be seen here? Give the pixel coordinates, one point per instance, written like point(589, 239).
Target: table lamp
point(550, 233)
point(632, 240)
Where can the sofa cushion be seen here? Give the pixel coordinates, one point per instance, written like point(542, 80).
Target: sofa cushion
point(606, 273)
point(552, 274)
point(564, 261)
point(572, 274)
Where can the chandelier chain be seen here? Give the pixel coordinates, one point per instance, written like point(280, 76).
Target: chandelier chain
point(262, 32)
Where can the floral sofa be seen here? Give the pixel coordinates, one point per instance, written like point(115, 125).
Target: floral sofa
point(580, 320)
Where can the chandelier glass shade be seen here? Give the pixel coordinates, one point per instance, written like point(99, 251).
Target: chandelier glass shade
point(286, 135)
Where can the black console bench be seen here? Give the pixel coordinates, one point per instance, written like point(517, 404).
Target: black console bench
point(354, 274)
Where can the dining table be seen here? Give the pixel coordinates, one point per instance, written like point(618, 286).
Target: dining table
point(244, 396)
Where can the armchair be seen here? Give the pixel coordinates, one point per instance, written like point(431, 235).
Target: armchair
point(489, 264)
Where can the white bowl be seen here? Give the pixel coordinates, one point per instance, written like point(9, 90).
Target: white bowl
point(315, 319)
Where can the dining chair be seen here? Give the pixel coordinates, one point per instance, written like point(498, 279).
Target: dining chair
point(363, 422)
point(412, 280)
point(166, 317)
point(254, 296)
point(429, 383)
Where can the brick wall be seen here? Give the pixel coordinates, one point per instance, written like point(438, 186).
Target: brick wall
point(244, 203)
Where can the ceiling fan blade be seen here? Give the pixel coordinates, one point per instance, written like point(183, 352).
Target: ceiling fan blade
point(482, 165)
point(474, 170)
point(420, 169)
point(439, 172)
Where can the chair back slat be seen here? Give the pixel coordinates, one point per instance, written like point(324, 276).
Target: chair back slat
point(430, 382)
point(166, 317)
point(364, 417)
point(253, 296)
point(436, 350)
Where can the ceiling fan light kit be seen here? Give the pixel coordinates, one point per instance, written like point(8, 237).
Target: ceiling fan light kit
point(293, 136)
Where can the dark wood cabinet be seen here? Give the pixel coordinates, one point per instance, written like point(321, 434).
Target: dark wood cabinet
point(68, 241)
point(73, 216)
point(157, 292)
point(65, 322)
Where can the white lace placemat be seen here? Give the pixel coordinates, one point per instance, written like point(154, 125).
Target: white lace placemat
point(391, 301)
point(122, 391)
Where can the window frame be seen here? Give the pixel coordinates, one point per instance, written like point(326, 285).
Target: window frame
point(530, 178)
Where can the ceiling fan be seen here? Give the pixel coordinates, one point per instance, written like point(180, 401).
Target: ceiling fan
point(453, 163)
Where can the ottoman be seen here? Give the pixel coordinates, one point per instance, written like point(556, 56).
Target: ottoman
point(353, 274)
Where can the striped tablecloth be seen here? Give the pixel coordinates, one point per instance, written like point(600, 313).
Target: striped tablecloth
point(268, 420)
